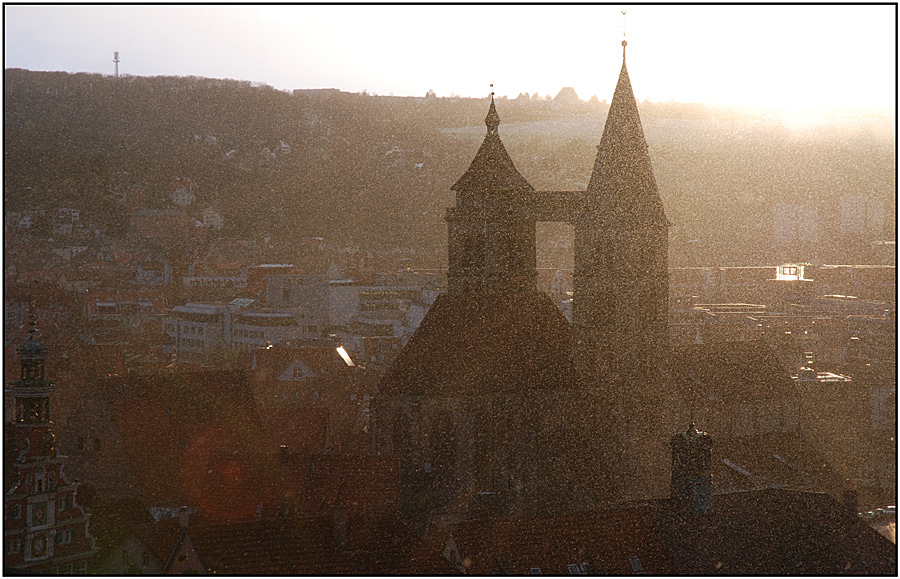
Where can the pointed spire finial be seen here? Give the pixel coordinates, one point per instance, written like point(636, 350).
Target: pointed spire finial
point(492, 120)
point(624, 42)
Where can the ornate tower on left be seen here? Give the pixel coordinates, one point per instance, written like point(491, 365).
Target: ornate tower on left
point(46, 531)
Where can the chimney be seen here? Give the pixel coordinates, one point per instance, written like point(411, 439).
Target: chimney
point(691, 486)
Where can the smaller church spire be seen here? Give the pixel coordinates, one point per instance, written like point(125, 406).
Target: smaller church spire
point(492, 120)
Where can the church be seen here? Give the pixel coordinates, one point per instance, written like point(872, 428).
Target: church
point(498, 406)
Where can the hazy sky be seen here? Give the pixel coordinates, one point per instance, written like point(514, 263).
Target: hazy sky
point(810, 58)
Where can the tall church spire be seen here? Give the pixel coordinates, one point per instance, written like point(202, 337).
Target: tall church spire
point(622, 188)
point(620, 310)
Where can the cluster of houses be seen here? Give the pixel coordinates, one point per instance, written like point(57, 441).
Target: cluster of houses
point(280, 408)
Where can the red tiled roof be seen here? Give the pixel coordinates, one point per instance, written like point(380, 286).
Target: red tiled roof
point(603, 539)
point(171, 432)
point(268, 547)
point(321, 482)
point(300, 429)
point(307, 546)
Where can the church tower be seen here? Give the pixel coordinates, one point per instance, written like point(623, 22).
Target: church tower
point(491, 240)
point(45, 530)
point(620, 315)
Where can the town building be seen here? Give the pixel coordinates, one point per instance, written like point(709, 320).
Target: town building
point(46, 529)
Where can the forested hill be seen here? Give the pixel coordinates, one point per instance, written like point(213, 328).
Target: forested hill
point(371, 170)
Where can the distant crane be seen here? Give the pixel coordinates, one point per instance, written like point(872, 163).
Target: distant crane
point(116, 60)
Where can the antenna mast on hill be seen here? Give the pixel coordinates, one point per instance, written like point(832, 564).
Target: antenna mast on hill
point(116, 60)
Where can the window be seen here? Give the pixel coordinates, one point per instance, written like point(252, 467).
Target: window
point(578, 568)
point(636, 567)
point(67, 536)
point(65, 503)
point(12, 546)
point(536, 571)
point(15, 512)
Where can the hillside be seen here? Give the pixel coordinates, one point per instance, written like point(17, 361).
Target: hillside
point(373, 171)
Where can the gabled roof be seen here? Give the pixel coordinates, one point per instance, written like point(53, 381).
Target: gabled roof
point(159, 537)
point(622, 182)
point(480, 344)
point(492, 169)
point(731, 372)
point(320, 359)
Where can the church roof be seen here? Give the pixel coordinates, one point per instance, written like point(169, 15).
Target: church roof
point(492, 169)
point(622, 183)
point(482, 344)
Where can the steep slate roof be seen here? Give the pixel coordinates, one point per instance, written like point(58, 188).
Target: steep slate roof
point(776, 531)
point(479, 344)
point(771, 460)
point(622, 182)
point(733, 372)
point(492, 169)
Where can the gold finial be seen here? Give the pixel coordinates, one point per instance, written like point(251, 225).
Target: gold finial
point(624, 42)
